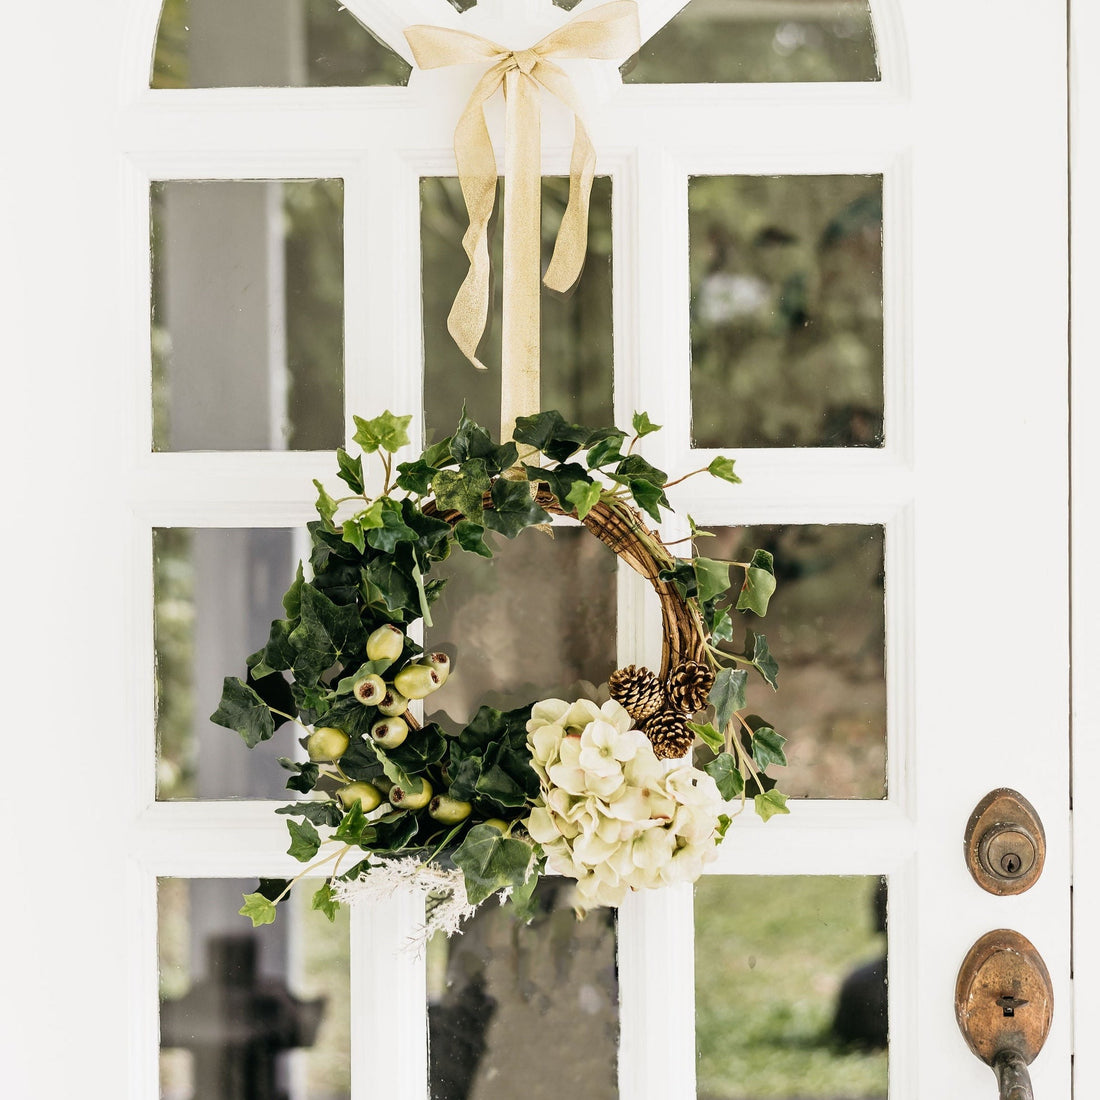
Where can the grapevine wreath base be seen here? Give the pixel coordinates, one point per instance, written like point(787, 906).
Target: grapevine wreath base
point(601, 789)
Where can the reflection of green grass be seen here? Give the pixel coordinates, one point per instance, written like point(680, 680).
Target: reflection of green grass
point(770, 956)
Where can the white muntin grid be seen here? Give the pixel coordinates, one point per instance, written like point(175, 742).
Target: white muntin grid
point(651, 140)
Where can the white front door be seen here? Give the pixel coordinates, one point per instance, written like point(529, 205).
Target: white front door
point(887, 360)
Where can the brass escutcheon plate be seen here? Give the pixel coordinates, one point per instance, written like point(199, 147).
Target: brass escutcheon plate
point(1005, 844)
point(1004, 999)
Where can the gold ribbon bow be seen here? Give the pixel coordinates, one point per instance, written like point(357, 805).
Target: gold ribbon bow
point(608, 32)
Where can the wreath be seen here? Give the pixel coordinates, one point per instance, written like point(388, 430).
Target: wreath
point(600, 789)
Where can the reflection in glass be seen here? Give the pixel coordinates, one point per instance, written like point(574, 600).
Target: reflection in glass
point(753, 41)
point(248, 314)
point(576, 328)
point(786, 311)
point(509, 652)
point(269, 44)
point(503, 993)
point(790, 988)
point(826, 624)
point(215, 592)
point(257, 1013)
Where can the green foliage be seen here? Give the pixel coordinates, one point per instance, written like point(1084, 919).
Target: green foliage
point(373, 568)
point(259, 908)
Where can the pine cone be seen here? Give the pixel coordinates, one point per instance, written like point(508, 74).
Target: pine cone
point(689, 685)
point(638, 690)
point(669, 735)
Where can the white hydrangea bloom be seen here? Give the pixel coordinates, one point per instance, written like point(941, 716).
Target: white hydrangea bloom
point(611, 815)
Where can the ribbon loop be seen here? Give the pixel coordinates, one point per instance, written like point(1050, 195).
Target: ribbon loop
point(605, 33)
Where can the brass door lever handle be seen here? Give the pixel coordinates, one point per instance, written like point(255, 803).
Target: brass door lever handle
point(1004, 1003)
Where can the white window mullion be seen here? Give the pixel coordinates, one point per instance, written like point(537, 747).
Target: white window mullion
point(657, 995)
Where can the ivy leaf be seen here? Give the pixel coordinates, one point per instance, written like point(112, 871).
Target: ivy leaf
point(292, 600)
point(354, 530)
point(462, 490)
point(584, 496)
point(351, 828)
point(305, 841)
point(762, 658)
point(471, 537)
point(490, 862)
point(496, 785)
point(722, 467)
point(304, 778)
point(324, 901)
point(723, 770)
point(351, 470)
point(607, 450)
point(394, 586)
point(698, 532)
point(326, 633)
point(391, 527)
point(416, 753)
point(416, 477)
point(513, 508)
point(759, 584)
point(712, 737)
point(682, 575)
point(276, 693)
point(767, 747)
point(522, 900)
point(320, 813)
point(770, 803)
point(386, 432)
point(561, 479)
point(728, 694)
point(259, 908)
point(643, 425)
point(649, 497)
point(326, 506)
point(410, 784)
point(722, 628)
point(634, 468)
point(242, 709)
point(538, 430)
point(713, 577)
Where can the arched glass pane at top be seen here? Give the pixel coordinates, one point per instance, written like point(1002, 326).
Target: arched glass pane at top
point(269, 44)
point(786, 311)
point(760, 41)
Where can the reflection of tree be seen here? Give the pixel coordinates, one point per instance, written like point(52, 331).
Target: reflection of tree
point(508, 985)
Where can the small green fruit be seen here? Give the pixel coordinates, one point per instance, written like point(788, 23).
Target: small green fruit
point(409, 800)
point(389, 733)
point(417, 681)
point(441, 663)
point(385, 644)
point(448, 810)
point(369, 690)
point(497, 823)
point(393, 704)
point(366, 794)
point(327, 743)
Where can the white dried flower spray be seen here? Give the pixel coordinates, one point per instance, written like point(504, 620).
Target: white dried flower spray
point(443, 889)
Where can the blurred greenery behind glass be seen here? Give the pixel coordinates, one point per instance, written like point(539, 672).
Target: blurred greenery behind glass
point(310, 231)
point(316, 954)
point(826, 624)
point(576, 327)
point(771, 957)
point(786, 311)
point(336, 49)
point(754, 41)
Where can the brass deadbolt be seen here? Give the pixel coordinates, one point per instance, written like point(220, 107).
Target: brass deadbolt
point(1005, 843)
